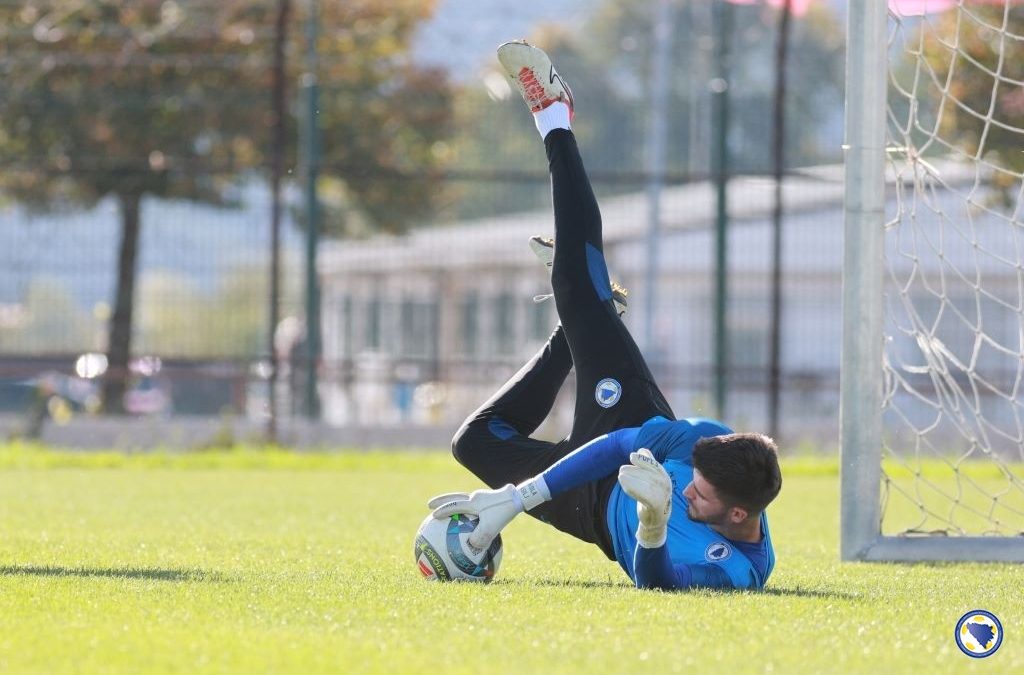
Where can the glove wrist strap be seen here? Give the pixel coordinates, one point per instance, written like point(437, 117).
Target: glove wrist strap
point(651, 537)
point(533, 492)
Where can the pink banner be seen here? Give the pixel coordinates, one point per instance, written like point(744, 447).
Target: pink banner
point(796, 7)
point(900, 7)
point(921, 7)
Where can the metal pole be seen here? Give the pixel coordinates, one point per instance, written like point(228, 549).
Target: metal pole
point(861, 380)
point(779, 160)
point(720, 169)
point(277, 147)
point(312, 160)
point(657, 134)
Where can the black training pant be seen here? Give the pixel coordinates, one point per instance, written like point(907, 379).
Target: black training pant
point(494, 441)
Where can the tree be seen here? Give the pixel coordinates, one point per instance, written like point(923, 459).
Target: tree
point(110, 100)
point(153, 98)
point(384, 120)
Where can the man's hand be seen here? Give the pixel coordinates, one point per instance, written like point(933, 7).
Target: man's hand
point(646, 481)
point(494, 508)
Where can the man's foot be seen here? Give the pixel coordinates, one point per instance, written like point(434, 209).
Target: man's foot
point(544, 91)
point(544, 249)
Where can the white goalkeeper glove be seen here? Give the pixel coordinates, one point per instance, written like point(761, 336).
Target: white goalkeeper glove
point(645, 480)
point(494, 508)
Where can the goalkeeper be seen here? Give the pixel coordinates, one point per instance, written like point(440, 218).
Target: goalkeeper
point(678, 503)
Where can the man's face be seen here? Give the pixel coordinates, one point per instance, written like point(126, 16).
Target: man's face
point(705, 504)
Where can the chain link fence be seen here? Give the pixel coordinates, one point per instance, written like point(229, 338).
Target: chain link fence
point(431, 179)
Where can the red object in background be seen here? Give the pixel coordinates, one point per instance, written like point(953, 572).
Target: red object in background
point(899, 7)
point(796, 7)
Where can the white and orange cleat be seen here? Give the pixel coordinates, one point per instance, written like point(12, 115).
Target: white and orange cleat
point(536, 79)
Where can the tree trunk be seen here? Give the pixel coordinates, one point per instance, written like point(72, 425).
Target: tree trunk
point(120, 345)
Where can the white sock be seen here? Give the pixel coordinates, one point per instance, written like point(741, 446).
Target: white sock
point(555, 116)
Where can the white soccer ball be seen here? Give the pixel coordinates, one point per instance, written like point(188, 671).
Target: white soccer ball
point(442, 553)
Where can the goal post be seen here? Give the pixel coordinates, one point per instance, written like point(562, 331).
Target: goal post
point(932, 382)
point(860, 417)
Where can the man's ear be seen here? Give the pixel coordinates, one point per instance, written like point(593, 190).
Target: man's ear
point(738, 514)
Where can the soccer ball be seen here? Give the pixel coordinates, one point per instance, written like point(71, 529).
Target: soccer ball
point(442, 553)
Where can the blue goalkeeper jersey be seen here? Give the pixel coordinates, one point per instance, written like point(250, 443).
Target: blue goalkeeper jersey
point(699, 554)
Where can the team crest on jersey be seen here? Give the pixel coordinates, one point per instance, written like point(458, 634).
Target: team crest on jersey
point(608, 392)
point(717, 552)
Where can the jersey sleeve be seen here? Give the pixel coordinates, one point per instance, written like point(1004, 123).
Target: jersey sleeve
point(653, 568)
point(674, 440)
point(597, 459)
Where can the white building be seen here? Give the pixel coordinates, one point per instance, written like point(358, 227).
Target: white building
point(422, 328)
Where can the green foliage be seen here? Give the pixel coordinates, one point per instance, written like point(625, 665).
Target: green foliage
point(384, 119)
point(173, 99)
point(48, 309)
point(105, 99)
point(259, 567)
point(177, 318)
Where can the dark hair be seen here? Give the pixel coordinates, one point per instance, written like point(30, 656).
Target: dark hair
point(743, 468)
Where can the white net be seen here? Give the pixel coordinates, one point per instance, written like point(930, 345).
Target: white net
point(953, 456)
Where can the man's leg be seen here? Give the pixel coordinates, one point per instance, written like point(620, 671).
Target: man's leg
point(494, 441)
point(494, 444)
point(614, 386)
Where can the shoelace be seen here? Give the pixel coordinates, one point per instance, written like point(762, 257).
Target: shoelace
point(541, 298)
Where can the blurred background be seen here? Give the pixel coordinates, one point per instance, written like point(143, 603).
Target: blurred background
point(307, 221)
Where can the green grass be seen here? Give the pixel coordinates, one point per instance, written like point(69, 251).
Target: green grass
point(268, 561)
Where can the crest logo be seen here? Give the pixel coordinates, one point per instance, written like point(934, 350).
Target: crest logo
point(717, 552)
point(978, 633)
point(608, 392)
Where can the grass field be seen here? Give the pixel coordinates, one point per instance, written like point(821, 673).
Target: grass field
point(249, 561)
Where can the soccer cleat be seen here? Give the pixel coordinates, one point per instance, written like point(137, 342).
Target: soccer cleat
point(619, 295)
point(531, 71)
point(544, 249)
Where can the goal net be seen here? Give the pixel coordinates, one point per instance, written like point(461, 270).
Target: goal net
point(945, 259)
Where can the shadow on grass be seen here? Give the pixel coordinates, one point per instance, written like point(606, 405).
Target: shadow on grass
point(560, 583)
point(807, 593)
point(582, 583)
point(112, 573)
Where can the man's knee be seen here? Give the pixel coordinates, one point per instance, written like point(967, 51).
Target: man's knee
point(462, 444)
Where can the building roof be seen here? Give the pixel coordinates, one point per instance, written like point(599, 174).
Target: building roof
point(954, 227)
point(501, 240)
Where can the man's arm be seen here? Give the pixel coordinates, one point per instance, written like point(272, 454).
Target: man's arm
point(653, 568)
point(645, 480)
point(496, 508)
point(597, 459)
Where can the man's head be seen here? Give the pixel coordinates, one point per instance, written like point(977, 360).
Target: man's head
point(735, 477)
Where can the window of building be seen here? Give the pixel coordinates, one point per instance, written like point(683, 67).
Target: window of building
point(469, 324)
point(541, 320)
point(417, 328)
point(504, 323)
point(374, 312)
point(749, 325)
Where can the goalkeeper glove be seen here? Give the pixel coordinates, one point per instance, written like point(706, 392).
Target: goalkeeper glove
point(645, 480)
point(494, 508)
